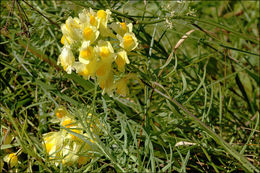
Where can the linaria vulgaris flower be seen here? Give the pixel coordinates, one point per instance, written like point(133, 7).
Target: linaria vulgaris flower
point(65, 146)
point(102, 47)
point(11, 159)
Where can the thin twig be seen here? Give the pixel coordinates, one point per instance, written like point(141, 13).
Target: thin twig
point(9, 14)
point(57, 25)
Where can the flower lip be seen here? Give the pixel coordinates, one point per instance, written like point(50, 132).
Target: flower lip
point(66, 59)
point(104, 52)
point(128, 41)
point(101, 14)
point(87, 33)
point(13, 159)
point(67, 123)
point(121, 60)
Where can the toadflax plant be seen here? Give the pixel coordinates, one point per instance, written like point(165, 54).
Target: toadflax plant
point(101, 48)
point(64, 146)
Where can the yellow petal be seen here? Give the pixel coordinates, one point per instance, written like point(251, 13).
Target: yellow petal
point(62, 40)
point(104, 52)
point(88, 33)
point(84, 72)
point(76, 131)
point(101, 14)
point(107, 82)
point(128, 40)
point(49, 146)
point(92, 20)
point(87, 53)
point(67, 123)
point(121, 60)
point(103, 69)
point(123, 26)
point(13, 160)
point(66, 59)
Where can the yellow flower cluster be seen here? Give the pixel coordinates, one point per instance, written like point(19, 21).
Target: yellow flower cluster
point(102, 49)
point(65, 146)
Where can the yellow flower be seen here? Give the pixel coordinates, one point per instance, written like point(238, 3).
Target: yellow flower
point(66, 147)
point(87, 53)
point(69, 154)
point(89, 17)
point(128, 41)
point(86, 70)
point(62, 40)
point(60, 112)
point(102, 14)
point(82, 69)
point(121, 60)
point(103, 17)
point(67, 122)
point(72, 126)
point(103, 69)
point(121, 28)
point(71, 31)
point(105, 51)
point(73, 137)
point(66, 59)
point(93, 20)
point(11, 159)
point(49, 146)
point(53, 142)
point(90, 33)
point(72, 23)
point(83, 16)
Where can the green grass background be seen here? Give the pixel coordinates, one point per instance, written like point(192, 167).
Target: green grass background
point(205, 92)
